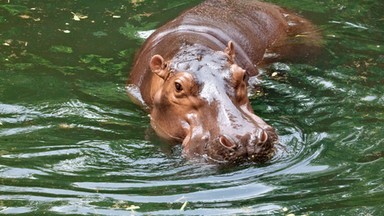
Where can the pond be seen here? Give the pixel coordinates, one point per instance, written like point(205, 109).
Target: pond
point(72, 143)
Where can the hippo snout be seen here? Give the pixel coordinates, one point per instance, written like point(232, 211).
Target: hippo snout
point(257, 147)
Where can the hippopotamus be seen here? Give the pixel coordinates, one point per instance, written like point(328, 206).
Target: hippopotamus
point(192, 76)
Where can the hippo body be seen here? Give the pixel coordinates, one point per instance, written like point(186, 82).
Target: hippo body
point(192, 75)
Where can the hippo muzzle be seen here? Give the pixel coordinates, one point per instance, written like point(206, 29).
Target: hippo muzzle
point(203, 104)
point(230, 134)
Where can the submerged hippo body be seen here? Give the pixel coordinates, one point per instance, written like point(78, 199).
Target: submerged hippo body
point(192, 75)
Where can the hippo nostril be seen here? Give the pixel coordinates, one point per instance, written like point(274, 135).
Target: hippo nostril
point(226, 142)
point(263, 137)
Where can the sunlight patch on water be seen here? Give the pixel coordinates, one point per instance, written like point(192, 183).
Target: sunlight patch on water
point(224, 194)
point(304, 166)
point(19, 173)
point(12, 114)
point(15, 210)
point(145, 34)
point(78, 108)
point(350, 24)
point(369, 98)
point(43, 153)
point(72, 166)
point(22, 130)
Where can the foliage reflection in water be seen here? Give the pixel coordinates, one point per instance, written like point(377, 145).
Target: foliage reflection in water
point(71, 142)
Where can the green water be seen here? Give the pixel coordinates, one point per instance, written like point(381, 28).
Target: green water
point(71, 142)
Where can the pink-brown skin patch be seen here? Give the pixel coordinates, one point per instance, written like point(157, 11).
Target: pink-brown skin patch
point(192, 75)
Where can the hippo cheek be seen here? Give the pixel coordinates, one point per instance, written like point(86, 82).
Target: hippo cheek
point(193, 143)
point(196, 136)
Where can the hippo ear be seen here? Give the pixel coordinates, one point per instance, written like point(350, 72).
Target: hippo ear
point(230, 51)
point(158, 66)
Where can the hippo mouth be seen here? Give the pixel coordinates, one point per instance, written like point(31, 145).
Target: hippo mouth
point(218, 154)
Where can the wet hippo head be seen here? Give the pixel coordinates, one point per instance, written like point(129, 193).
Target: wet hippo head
point(202, 103)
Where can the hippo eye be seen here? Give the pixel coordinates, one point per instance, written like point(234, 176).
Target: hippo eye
point(178, 87)
point(245, 77)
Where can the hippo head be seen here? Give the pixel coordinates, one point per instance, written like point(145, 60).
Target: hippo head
point(202, 103)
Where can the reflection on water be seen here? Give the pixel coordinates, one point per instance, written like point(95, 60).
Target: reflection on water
point(71, 142)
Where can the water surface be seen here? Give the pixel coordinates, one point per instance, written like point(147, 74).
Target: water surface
point(71, 142)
